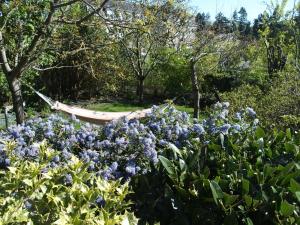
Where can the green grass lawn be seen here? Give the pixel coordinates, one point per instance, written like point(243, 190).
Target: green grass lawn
point(115, 107)
point(126, 107)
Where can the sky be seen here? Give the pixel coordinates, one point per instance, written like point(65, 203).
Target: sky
point(253, 7)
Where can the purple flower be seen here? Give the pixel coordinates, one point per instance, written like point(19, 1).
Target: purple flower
point(224, 128)
point(49, 133)
point(114, 166)
point(238, 115)
point(121, 142)
point(27, 205)
point(105, 144)
point(163, 142)
point(236, 127)
point(251, 112)
point(68, 180)
point(131, 168)
point(100, 202)
point(56, 159)
point(198, 128)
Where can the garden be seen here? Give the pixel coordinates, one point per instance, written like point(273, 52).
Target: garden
point(147, 112)
point(166, 168)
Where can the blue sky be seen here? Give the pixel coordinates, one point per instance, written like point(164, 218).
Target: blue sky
point(253, 7)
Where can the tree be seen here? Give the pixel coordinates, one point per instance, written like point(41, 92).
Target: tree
point(27, 28)
point(240, 22)
point(257, 26)
point(295, 27)
point(275, 34)
point(207, 41)
point(149, 28)
point(222, 24)
point(244, 24)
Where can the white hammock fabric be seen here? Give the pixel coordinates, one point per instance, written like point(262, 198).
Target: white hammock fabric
point(98, 117)
point(92, 116)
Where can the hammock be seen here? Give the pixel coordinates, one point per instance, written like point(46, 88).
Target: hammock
point(91, 116)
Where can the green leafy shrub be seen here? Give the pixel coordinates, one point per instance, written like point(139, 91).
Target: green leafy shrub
point(33, 193)
point(249, 177)
point(279, 99)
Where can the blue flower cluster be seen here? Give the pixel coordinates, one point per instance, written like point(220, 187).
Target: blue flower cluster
point(121, 148)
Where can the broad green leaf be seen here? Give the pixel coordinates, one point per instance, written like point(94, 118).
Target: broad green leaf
point(249, 221)
point(245, 186)
point(286, 209)
point(222, 140)
point(229, 199)
point(259, 133)
point(216, 191)
point(288, 133)
point(248, 200)
point(169, 166)
point(215, 147)
point(289, 147)
point(175, 150)
point(182, 165)
point(294, 186)
point(298, 195)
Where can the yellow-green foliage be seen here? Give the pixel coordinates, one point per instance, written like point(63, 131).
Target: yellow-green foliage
point(281, 99)
point(29, 195)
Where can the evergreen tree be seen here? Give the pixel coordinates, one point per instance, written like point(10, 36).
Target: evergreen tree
point(202, 20)
point(243, 23)
point(222, 24)
point(257, 25)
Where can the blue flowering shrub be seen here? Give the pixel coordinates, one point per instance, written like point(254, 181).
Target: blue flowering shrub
point(166, 168)
point(220, 171)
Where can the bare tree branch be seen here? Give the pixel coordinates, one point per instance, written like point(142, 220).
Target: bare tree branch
point(92, 13)
point(58, 67)
point(26, 57)
point(57, 6)
point(5, 65)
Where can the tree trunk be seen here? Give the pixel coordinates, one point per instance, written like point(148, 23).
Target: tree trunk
point(140, 90)
point(196, 90)
point(15, 89)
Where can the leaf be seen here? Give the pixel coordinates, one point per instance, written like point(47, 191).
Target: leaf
point(249, 221)
point(288, 133)
point(182, 165)
point(13, 170)
point(28, 182)
point(298, 195)
point(175, 150)
point(248, 200)
point(259, 133)
point(169, 166)
point(294, 186)
point(215, 147)
point(222, 140)
point(286, 209)
point(289, 147)
point(216, 191)
point(43, 189)
point(245, 186)
point(229, 199)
